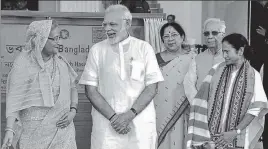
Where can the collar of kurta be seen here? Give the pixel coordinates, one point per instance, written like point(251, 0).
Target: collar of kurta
point(219, 52)
point(121, 53)
point(125, 41)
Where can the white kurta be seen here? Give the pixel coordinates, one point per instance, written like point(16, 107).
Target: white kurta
point(103, 70)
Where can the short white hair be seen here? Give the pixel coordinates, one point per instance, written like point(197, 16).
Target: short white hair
point(218, 21)
point(120, 8)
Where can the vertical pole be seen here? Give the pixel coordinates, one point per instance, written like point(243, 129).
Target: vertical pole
point(0, 80)
point(249, 21)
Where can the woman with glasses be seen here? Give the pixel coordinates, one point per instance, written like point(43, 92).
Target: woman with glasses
point(170, 101)
point(41, 94)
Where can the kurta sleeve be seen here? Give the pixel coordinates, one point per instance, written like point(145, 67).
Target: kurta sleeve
point(190, 80)
point(258, 97)
point(152, 70)
point(90, 74)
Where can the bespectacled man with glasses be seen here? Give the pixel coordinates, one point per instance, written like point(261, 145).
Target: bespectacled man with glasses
point(121, 76)
point(214, 31)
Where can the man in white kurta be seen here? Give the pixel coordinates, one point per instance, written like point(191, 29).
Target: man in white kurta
point(122, 72)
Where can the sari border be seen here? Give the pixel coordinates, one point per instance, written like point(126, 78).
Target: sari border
point(173, 120)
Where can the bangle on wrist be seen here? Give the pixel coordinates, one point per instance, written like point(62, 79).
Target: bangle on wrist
point(238, 131)
point(9, 129)
point(112, 116)
point(134, 111)
point(74, 108)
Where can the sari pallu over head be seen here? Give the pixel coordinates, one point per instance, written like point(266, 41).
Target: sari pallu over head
point(204, 120)
point(29, 83)
point(27, 78)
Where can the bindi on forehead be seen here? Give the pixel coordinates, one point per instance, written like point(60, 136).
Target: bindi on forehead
point(170, 30)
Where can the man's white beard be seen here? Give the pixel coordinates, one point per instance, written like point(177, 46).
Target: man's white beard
point(117, 39)
point(113, 41)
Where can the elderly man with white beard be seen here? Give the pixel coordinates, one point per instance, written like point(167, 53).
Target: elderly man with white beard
point(121, 76)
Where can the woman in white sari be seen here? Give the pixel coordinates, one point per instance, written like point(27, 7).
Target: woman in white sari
point(170, 102)
point(41, 94)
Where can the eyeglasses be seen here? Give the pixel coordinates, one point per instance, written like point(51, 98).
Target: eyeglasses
point(56, 38)
point(214, 33)
point(173, 36)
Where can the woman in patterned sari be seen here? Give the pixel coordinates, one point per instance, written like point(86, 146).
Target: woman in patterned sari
point(41, 94)
point(170, 102)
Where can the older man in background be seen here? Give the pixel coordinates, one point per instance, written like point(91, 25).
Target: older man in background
point(171, 18)
point(121, 76)
point(214, 31)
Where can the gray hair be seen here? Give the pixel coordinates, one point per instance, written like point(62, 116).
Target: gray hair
point(218, 21)
point(120, 8)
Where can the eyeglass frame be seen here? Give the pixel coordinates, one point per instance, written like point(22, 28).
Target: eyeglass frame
point(173, 36)
point(212, 33)
point(54, 38)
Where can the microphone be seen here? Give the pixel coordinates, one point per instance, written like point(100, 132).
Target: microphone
point(200, 48)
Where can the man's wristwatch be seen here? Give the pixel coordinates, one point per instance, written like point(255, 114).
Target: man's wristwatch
point(238, 131)
point(134, 111)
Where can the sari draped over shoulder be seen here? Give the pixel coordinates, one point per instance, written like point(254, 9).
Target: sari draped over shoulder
point(171, 103)
point(38, 99)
